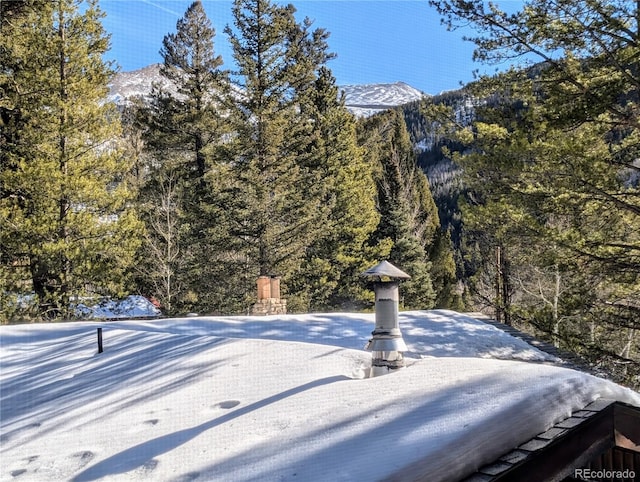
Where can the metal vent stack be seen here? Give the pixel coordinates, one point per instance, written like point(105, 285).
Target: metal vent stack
point(386, 342)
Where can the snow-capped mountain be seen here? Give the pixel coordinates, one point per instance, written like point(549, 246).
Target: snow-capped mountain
point(361, 100)
point(367, 99)
point(137, 83)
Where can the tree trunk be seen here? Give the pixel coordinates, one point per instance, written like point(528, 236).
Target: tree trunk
point(63, 202)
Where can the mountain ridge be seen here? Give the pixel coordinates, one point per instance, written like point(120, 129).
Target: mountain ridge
point(362, 100)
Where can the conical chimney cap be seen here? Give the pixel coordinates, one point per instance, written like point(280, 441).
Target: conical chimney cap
point(385, 269)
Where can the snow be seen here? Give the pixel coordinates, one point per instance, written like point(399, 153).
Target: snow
point(368, 99)
point(390, 95)
point(137, 83)
point(273, 398)
point(133, 306)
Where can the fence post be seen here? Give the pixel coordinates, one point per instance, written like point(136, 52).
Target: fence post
point(99, 340)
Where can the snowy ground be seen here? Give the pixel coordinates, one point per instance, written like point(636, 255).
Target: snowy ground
point(272, 398)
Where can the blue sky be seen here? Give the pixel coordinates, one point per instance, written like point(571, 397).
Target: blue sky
point(376, 41)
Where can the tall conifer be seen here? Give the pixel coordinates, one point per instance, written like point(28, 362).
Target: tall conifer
point(342, 251)
point(65, 211)
point(191, 118)
point(553, 161)
point(409, 217)
point(275, 208)
point(184, 126)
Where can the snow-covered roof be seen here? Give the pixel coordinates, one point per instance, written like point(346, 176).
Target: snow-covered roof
point(274, 398)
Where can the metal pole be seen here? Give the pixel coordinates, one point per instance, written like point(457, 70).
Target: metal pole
point(498, 284)
point(99, 340)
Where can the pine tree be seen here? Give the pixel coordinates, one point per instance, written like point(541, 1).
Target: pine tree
point(193, 111)
point(409, 217)
point(342, 251)
point(64, 207)
point(183, 127)
point(443, 272)
point(555, 150)
point(14, 267)
point(274, 205)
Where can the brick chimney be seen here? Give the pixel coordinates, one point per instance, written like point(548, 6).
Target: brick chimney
point(269, 301)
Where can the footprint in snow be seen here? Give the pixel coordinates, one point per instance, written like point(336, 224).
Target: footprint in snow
point(140, 426)
point(227, 404)
point(28, 460)
point(148, 467)
point(84, 458)
point(188, 477)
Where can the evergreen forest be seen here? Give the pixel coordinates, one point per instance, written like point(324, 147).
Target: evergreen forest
point(522, 200)
point(189, 195)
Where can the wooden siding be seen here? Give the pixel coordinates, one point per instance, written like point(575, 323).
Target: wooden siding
point(605, 436)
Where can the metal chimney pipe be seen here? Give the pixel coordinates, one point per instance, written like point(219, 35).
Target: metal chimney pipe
point(386, 342)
